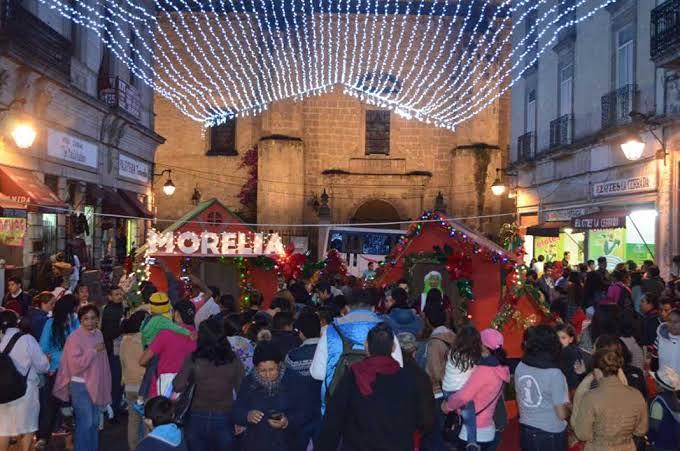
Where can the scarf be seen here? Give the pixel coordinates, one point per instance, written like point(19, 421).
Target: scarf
point(366, 371)
point(152, 327)
point(540, 360)
point(271, 387)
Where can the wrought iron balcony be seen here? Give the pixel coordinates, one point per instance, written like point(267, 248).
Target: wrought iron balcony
point(665, 34)
point(32, 41)
point(117, 93)
point(617, 105)
point(526, 147)
point(561, 131)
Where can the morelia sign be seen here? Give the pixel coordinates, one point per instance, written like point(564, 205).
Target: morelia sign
point(210, 244)
point(625, 186)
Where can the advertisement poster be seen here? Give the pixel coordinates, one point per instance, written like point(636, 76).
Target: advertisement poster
point(551, 247)
point(641, 229)
point(609, 243)
point(12, 231)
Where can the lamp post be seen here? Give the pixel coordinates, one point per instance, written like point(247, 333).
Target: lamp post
point(498, 187)
point(633, 146)
point(21, 128)
point(168, 187)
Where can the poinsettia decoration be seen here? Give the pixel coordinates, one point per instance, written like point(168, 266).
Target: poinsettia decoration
point(334, 265)
point(291, 265)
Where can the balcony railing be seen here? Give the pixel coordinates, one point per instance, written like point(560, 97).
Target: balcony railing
point(526, 147)
point(617, 105)
point(31, 40)
point(117, 93)
point(561, 131)
point(665, 34)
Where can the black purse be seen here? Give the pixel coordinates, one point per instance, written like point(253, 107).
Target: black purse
point(184, 400)
point(454, 421)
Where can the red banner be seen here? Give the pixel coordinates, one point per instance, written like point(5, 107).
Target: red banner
point(12, 231)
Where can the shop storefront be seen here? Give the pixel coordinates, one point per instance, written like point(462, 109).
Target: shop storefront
point(620, 226)
point(28, 217)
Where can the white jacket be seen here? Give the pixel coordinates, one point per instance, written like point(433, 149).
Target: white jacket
point(669, 348)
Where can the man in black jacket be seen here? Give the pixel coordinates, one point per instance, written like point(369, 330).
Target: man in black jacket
point(112, 315)
point(376, 405)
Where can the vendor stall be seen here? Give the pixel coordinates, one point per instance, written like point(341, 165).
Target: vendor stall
point(479, 276)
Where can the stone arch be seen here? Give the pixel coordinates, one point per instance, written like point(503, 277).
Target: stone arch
point(376, 210)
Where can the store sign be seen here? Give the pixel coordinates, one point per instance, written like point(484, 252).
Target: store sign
point(134, 169)
point(625, 186)
point(600, 222)
point(12, 231)
point(209, 244)
point(567, 214)
point(69, 148)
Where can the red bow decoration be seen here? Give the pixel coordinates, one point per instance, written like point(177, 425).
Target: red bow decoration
point(459, 266)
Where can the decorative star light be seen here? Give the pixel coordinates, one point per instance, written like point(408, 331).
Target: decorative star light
point(438, 61)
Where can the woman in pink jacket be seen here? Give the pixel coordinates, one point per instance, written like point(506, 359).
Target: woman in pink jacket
point(484, 388)
point(84, 377)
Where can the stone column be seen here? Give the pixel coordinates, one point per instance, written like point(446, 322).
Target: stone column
point(475, 169)
point(280, 186)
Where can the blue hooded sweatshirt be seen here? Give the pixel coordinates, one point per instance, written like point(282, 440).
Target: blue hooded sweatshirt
point(166, 437)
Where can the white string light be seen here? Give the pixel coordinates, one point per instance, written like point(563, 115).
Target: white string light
point(439, 61)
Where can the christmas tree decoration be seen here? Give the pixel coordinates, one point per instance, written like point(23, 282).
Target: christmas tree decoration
point(437, 61)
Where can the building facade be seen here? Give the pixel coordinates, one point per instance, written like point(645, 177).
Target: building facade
point(374, 165)
point(85, 183)
point(571, 112)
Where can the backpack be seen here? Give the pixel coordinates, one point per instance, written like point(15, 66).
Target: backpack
point(12, 383)
point(664, 433)
point(348, 357)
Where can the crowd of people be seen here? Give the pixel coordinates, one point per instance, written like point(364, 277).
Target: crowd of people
point(339, 366)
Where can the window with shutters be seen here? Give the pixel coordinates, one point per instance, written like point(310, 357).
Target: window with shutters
point(223, 139)
point(377, 132)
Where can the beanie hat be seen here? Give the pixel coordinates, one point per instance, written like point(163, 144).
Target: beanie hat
point(160, 303)
point(492, 339)
point(266, 351)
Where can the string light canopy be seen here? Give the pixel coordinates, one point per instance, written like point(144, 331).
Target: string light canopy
point(438, 61)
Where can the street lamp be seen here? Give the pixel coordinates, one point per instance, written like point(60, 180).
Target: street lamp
point(633, 146)
point(168, 187)
point(23, 134)
point(22, 131)
point(498, 188)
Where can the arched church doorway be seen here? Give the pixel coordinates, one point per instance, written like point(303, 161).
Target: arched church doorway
point(376, 211)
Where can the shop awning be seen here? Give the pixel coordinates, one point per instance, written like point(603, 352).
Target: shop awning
point(117, 202)
point(24, 187)
point(613, 219)
point(133, 199)
point(548, 228)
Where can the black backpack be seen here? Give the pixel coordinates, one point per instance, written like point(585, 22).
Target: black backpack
point(347, 358)
point(12, 382)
